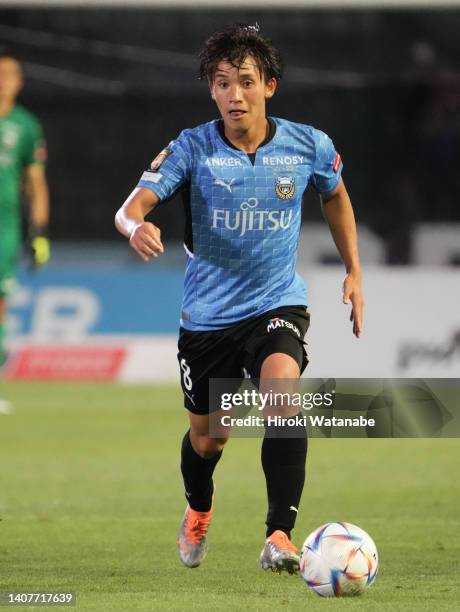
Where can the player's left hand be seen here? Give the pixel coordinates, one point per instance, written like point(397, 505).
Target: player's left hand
point(39, 246)
point(352, 291)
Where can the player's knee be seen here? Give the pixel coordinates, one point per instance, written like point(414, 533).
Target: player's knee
point(279, 365)
point(207, 447)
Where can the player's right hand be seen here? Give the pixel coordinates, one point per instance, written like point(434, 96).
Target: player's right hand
point(145, 239)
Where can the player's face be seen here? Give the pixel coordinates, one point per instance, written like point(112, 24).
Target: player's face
point(240, 93)
point(10, 78)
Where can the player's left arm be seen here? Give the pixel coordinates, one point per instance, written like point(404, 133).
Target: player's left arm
point(37, 192)
point(338, 211)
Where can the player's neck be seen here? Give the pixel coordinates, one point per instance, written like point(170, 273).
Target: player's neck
point(6, 106)
point(248, 140)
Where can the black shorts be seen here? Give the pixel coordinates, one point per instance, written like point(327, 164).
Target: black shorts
point(238, 350)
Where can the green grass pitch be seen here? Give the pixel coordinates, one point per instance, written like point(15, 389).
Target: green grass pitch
point(91, 500)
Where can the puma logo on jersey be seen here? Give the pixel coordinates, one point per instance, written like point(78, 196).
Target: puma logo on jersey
point(223, 184)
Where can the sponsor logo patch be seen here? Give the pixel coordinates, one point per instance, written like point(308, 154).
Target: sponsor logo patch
point(282, 160)
point(151, 177)
point(278, 323)
point(159, 159)
point(250, 218)
point(222, 162)
point(285, 187)
point(40, 154)
point(337, 161)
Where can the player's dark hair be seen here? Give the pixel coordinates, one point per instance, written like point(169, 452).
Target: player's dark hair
point(6, 52)
point(234, 45)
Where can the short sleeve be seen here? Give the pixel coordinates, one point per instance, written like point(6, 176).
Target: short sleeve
point(328, 165)
point(170, 169)
point(34, 151)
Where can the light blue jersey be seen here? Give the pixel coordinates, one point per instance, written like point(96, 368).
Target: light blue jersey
point(243, 216)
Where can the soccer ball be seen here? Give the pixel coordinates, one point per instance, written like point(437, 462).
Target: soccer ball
point(338, 559)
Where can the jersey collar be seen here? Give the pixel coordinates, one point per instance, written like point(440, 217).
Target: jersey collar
point(270, 135)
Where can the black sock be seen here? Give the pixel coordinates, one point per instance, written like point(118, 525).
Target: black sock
point(197, 474)
point(283, 462)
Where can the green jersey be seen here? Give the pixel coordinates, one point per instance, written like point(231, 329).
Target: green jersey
point(21, 144)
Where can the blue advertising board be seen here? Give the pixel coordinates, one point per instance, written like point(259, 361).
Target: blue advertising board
point(81, 300)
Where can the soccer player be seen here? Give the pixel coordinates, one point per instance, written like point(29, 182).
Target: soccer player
point(22, 156)
point(244, 306)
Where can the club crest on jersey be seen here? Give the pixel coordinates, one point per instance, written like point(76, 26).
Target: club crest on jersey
point(285, 187)
point(159, 159)
point(9, 137)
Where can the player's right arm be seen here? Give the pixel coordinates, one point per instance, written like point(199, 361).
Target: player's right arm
point(144, 237)
point(167, 173)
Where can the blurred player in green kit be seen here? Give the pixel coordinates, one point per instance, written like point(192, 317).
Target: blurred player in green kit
point(22, 165)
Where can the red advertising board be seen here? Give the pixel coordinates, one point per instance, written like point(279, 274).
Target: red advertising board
point(67, 362)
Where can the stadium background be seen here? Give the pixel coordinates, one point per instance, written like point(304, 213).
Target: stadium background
point(114, 85)
point(90, 491)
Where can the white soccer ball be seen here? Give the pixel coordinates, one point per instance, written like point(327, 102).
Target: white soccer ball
point(338, 559)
